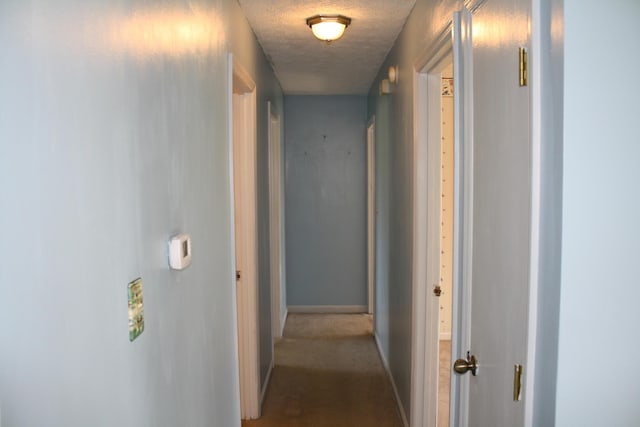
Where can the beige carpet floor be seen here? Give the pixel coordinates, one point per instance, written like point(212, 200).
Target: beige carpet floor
point(444, 383)
point(328, 373)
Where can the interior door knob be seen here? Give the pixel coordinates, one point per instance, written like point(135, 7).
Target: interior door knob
point(462, 366)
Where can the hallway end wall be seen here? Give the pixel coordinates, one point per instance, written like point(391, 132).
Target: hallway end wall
point(326, 194)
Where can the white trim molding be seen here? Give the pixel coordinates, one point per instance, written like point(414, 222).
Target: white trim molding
point(463, 209)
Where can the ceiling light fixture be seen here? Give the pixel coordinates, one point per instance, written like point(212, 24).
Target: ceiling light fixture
point(328, 27)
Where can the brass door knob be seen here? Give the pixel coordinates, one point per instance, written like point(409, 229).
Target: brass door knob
point(462, 366)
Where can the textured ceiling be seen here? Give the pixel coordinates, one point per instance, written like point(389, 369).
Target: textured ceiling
point(304, 64)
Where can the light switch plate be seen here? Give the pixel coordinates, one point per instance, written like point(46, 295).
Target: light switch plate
point(136, 309)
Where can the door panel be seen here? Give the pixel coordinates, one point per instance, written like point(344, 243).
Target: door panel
point(243, 115)
point(501, 212)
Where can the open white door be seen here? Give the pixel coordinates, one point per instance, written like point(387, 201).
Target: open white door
point(371, 215)
point(245, 216)
point(501, 212)
point(276, 227)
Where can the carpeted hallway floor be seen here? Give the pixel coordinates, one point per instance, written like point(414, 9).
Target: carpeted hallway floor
point(444, 383)
point(328, 373)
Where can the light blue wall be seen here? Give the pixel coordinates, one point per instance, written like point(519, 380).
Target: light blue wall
point(600, 291)
point(394, 189)
point(114, 136)
point(326, 221)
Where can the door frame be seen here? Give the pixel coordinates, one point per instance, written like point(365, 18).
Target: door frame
point(243, 154)
point(371, 215)
point(454, 42)
point(276, 221)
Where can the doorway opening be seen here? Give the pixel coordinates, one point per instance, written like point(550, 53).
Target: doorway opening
point(243, 118)
point(433, 285)
point(441, 241)
point(446, 245)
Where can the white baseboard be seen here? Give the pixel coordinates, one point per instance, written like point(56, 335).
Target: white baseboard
point(346, 309)
point(263, 392)
point(283, 321)
point(393, 383)
point(445, 336)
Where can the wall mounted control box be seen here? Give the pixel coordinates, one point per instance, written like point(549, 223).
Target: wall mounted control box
point(180, 251)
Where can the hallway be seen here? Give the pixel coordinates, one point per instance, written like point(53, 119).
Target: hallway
point(328, 373)
point(117, 139)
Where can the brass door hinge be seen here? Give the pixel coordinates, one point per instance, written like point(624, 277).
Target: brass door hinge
point(524, 67)
point(437, 290)
point(517, 382)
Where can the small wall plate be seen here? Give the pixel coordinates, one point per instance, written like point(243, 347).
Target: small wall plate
point(136, 309)
point(385, 87)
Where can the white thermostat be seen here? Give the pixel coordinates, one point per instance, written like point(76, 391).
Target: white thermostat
point(180, 251)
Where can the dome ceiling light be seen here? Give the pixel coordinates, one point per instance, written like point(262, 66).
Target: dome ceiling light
point(328, 27)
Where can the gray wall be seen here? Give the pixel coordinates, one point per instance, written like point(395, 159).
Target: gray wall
point(599, 313)
point(325, 184)
point(114, 136)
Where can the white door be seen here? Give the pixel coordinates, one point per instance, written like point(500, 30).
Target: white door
point(275, 222)
point(501, 216)
point(245, 207)
point(371, 216)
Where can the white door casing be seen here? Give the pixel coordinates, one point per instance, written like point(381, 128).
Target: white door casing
point(243, 113)
point(455, 43)
point(463, 208)
point(427, 220)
